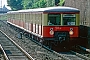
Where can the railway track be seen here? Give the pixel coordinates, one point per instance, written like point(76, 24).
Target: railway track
point(36, 51)
point(80, 53)
point(2, 56)
point(39, 53)
point(11, 50)
point(71, 56)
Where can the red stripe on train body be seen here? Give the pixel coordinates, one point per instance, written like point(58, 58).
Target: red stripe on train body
point(74, 29)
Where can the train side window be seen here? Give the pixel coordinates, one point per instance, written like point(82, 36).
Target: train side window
point(54, 19)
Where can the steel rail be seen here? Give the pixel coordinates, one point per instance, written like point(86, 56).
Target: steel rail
point(5, 55)
point(62, 56)
point(85, 49)
point(80, 55)
point(28, 55)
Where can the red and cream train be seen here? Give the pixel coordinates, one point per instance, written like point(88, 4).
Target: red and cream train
point(56, 27)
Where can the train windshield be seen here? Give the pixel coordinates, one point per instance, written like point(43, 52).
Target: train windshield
point(69, 19)
point(54, 19)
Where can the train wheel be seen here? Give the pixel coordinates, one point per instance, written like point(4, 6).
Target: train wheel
point(32, 37)
point(41, 41)
point(48, 44)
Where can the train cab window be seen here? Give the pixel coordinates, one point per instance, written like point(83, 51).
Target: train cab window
point(54, 19)
point(69, 19)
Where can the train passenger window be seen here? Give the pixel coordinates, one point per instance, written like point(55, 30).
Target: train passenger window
point(54, 19)
point(69, 19)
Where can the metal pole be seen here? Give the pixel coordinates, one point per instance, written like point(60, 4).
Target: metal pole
point(1, 5)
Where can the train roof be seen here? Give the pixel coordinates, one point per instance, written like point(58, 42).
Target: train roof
point(49, 9)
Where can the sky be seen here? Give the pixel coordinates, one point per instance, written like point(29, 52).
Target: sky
point(3, 2)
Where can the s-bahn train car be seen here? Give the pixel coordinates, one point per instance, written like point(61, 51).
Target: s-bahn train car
point(56, 27)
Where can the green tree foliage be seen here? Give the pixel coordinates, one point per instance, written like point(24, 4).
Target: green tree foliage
point(27, 4)
point(57, 2)
point(15, 4)
point(39, 4)
point(61, 3)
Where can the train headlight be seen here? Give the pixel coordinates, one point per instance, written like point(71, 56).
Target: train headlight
point(71, 32)
point(51, 32)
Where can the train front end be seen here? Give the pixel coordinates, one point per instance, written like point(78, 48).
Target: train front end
point(63, 28)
